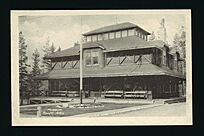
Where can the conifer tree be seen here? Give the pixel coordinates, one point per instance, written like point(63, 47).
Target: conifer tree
point(23, 73)
point(47, 49)
point(36, 84)
point(59, 49)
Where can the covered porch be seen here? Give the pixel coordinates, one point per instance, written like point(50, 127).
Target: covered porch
point(136, 87)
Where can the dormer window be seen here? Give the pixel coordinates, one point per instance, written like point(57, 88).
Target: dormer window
point(95, 55)
point(91, 58)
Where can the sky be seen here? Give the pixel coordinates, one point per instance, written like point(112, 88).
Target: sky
point(64, 31)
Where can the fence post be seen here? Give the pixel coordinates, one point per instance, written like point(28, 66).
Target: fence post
point(39, 110)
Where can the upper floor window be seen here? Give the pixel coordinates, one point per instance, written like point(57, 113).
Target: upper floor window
point(164, 57)
point(140, 34)
point(118, 34)
point(92, 58)
point(105, 36)
point(94, 38)
point(88, 58)
point(136, 32)
point(124, 33)
point(112, 35)
point(100, 37)
point(88, 38)
point(131, 32)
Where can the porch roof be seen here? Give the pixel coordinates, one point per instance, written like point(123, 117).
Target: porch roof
point(111, 71)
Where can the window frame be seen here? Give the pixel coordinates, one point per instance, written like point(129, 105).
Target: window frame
point(104, 34)
point(124, 32)
point(112, 35)
point(87, 38)
point(118, 32)
point(101, 37)
point(93, 54)
point(94, 38)
point(86, 57)
point(133, 33)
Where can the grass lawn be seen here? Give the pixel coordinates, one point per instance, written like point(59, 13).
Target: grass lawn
point(61, 112)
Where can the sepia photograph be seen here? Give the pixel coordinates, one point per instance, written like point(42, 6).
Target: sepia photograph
point(101, 67)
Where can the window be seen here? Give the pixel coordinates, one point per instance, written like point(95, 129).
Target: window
point(88, 38)
point(105, 36)
point(112, 35)
point(131, 32)
point(164, 57)
point(95, 57)
point(94, 38)
point(100, 37)
point(145, 37)
point(139, 34)
point(136, 32)
point(124, 33)
point(118, 34)
point(92, 58)
point(142, 36)
point(88, 58)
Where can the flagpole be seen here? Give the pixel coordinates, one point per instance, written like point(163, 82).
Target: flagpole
point(81, 66)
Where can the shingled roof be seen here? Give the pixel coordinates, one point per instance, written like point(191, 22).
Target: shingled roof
point(123, 70)
point(112, 28)
point(126, 43)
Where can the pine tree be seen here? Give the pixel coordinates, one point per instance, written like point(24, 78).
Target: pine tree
point(180, 44)
point(59, 49)
point(52, 48)
point(36, 84)
point(47, 49)
point(23, 73)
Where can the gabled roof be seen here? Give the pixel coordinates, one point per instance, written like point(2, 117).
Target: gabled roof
point(111, 71)
point(67, 52)
point(112, 28)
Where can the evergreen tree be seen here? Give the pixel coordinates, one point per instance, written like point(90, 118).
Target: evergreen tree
point(52, 48)
point(59, 49)
point(47, 49)
point(36, 84)
point(23, 73)
point(180, 44)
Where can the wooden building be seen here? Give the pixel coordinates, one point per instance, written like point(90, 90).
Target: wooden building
point(120, 62)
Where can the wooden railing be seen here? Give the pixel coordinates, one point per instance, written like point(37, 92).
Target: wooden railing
point(65, 93)
point(126, 94)
point(113, 94)
point(135, 94)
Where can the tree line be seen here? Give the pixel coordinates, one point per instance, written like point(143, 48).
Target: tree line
point(27, 85)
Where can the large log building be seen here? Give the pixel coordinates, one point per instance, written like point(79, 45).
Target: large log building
point(118, 61)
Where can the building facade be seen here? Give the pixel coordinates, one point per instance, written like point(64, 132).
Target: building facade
point(118, 62)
